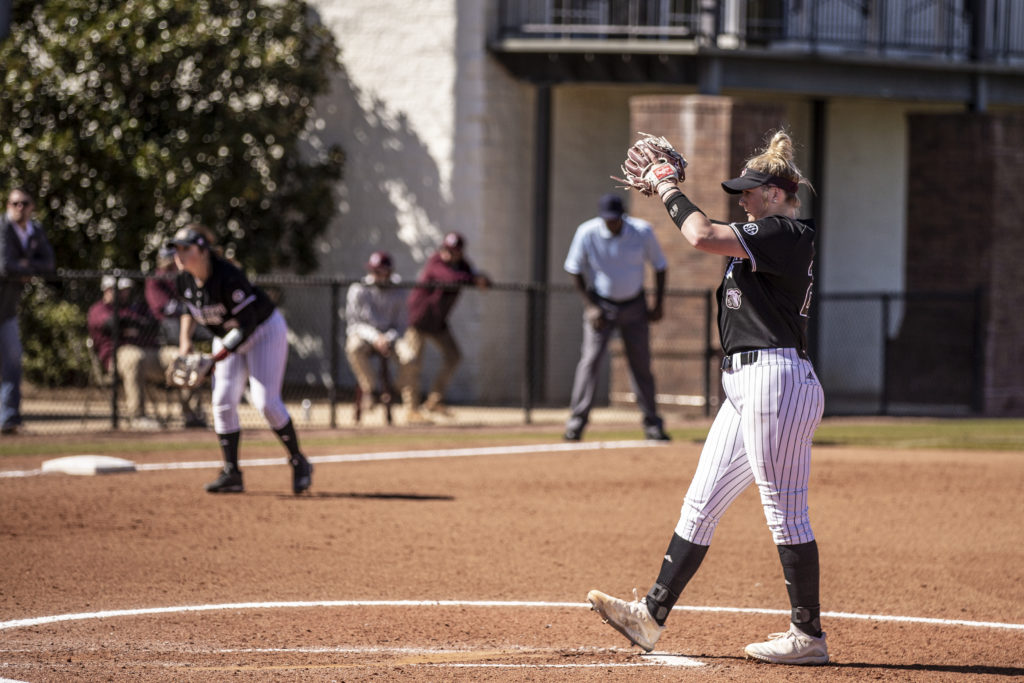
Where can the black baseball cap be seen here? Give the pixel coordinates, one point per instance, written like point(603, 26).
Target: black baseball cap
point(186, 237)
point(749, 179)
point(610, 207)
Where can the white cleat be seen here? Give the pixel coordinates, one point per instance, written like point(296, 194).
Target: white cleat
point(792, 647)
point(631, 619)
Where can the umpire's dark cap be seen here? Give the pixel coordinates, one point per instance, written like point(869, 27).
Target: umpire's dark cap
point(454, 240)
point(610, 207)
point(186, 237)
point(749, 179)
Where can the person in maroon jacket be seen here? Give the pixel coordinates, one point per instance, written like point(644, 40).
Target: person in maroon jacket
point(139, 357)
point(429, 307)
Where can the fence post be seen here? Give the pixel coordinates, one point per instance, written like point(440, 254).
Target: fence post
point(115, 373)
point(978, 378)
point(529, 359)
point(708, 351)
point(332, 388)
point(883, 401)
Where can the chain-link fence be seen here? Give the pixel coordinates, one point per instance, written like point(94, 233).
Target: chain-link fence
point(875, 353)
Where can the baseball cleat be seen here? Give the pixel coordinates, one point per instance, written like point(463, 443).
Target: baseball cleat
point(792, 647)
point(631, 619)
point(229, 481)
point(302, 474)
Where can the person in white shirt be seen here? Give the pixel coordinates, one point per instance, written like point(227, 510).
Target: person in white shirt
point(376, 320)
point(607, 259)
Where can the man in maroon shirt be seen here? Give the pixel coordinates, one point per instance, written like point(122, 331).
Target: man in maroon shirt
point(448, 270)
point(138, 350)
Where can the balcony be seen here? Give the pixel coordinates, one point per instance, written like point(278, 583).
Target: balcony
point(692, 41)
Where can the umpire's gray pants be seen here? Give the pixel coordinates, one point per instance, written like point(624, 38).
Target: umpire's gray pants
point(630, 319)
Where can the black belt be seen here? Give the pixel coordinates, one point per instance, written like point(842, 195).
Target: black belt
point(622, 302)
point(744, 357)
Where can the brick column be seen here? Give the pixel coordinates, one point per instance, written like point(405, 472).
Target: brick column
point(964, 230)
point(716, 135)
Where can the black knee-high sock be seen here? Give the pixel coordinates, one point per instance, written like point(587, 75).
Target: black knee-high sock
point(290, 440)
point(229, 446)
point(800, 567)
point(680, 564)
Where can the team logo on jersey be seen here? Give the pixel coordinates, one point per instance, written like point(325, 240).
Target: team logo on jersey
point(237, 296)
point(750, 228)
point(732, 298)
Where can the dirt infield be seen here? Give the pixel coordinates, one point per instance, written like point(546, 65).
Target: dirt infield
point(476, 567)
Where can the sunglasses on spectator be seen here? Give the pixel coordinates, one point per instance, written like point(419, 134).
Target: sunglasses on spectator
point(20, 203)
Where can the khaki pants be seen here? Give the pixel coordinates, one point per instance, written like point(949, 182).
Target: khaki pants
point(360, 356)
point(410, 353)
point(142, 369)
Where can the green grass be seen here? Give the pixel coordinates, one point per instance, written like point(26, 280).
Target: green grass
point(892, 433)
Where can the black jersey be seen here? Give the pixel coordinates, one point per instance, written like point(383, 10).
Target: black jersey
point(764, 299)
point(227, 295)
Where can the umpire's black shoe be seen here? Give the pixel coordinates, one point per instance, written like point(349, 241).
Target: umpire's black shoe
point(656, 433)
point(572, 434)
point(302, 474)
point(229, 481)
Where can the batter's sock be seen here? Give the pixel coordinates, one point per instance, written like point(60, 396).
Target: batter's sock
point(680, 564)
point(800, 567)
point(289, 439)
point(229, 447)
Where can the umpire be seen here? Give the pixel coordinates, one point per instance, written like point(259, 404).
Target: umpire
point(606, 260)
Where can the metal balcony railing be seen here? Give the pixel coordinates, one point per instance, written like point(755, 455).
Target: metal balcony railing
point(954, 30)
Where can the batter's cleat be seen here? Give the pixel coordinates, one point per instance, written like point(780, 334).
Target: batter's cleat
point(572, 434)
point(302, 474)
point(631, 619)
point(792, 647)
point(229, 481)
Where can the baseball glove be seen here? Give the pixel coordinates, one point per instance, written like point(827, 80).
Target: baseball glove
point(651, 161)
point(189, 371)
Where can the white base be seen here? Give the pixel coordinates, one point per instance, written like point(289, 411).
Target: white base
point(88, 465)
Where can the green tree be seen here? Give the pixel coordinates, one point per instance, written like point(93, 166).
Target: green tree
point(131, 118)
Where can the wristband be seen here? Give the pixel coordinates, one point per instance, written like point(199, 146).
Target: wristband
point(680, 207)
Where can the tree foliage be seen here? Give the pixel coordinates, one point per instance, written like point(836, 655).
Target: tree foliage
point(130, 118)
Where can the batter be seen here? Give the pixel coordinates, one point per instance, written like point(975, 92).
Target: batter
point(250, 344)
point(762, 433)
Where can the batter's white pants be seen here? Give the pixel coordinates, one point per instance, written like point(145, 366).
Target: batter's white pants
point(762, 434)
point(261, 360)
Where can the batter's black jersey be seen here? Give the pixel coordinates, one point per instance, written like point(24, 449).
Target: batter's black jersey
point(764, 299)
point(227, 295)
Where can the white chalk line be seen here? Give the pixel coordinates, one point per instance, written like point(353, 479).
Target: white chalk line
point(383, 455)
point(109, 614)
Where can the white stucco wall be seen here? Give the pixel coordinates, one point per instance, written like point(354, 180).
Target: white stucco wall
point(437, 137)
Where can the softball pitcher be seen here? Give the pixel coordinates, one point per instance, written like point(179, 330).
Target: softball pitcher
point(762, 433)
point(250, 343)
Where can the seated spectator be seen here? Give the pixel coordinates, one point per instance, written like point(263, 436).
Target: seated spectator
point(375, 314)
point(140, 360)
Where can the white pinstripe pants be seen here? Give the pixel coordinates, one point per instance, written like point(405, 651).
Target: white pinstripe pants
point(762, 434)
point(261, 360)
